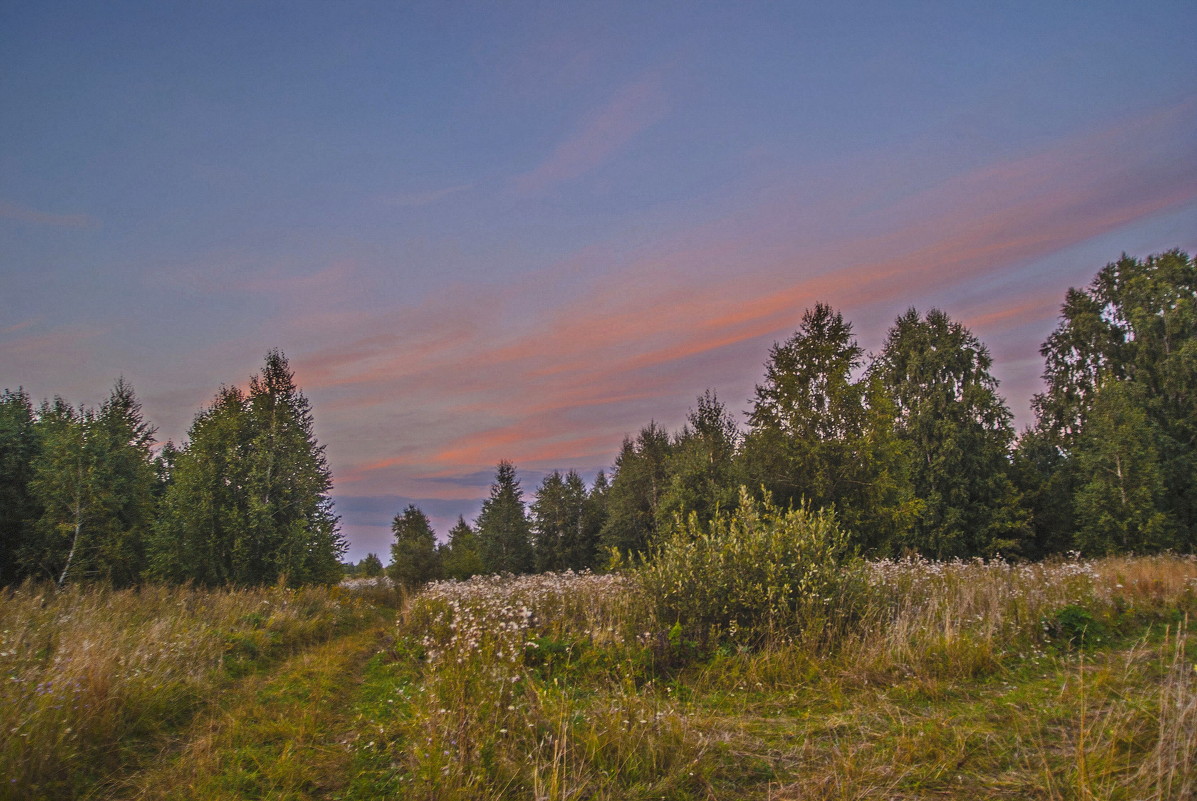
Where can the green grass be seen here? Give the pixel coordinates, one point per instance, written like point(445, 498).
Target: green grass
point(1061, 681)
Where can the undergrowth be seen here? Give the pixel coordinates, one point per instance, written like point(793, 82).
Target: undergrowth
point(91, 676)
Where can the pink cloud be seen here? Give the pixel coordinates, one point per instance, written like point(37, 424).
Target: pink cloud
point(482, 373)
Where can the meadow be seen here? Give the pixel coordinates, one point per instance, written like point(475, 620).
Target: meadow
point(1068, 679)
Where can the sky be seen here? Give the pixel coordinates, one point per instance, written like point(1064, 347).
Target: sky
point(485, 231)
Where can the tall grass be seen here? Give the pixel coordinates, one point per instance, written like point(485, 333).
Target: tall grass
point(89, 672)
point(579, 686)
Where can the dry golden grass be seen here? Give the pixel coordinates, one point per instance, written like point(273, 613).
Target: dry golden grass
point(89, 672)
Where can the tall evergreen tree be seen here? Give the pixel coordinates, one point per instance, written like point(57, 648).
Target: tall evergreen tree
point(958, 430)
point(504, 532)
point(292, 527)
point(18, 506)
point(414, 557)
point(460, 557)
point(203, 509)
point(122, 443)
point(248, 501)
point(594, 518)
point(637, 490)
point(370, 566)
point(559, 534)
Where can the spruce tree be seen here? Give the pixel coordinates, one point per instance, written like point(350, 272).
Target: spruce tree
point(634, 500)
point(18, 506)
point(414, 557)
point(370, 566)
point(460, 558)
point(65, 486)
point(560, 536)
point(94, 481)
point(504, 532)
point(122, 445)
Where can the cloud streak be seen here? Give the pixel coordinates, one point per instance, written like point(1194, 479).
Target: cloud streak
point(484, 373)
point(12, 211)
point(600, 135)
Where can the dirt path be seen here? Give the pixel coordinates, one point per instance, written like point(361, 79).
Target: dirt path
point(280, 735)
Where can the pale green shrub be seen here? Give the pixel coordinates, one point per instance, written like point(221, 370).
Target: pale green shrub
point(757, 572)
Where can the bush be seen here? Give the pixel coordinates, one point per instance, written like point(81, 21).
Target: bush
point(757, 572)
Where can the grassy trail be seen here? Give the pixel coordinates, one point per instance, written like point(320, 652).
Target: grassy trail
point(279, 735)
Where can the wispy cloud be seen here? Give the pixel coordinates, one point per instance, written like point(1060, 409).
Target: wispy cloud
point(448, 386)
point(12, 211)
point(418, 199)
point(599, 136)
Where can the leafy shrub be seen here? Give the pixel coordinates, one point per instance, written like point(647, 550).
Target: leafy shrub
point(1075, 626)
point(752, 573)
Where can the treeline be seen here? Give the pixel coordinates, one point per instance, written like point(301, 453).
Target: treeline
point(245, 501)
point(913, 446)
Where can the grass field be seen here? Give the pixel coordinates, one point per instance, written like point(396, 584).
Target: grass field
point(1064, 680)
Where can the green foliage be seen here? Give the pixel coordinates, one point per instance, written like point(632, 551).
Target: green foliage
point(18, 505)
point(703, 469)
point(821, 435)
point(1134, 326)
point(565, 529)
point(958, 433)
point(757, 571)
point(460, 557)
point(638, 487)
point(94, 481)
point(414, 557)
point(249, 501)
point(371, 566)
point(1119, 505)
point(503, 530)
point(1075, 627)
point(64, 482)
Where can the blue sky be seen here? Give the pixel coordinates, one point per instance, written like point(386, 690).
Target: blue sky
point(523, 230)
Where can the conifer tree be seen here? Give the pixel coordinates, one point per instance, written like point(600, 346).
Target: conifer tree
point(504, 532)
point(594, 518)
point(637, 491)
point(414, 557)
point(122, 445)
point(560, 537)
point(94, 481)
point(64, 483)
point(460, 558)
point(18, 507)
point(370, 566)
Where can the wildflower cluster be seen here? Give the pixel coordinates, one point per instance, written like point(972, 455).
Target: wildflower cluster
point(482, 712)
